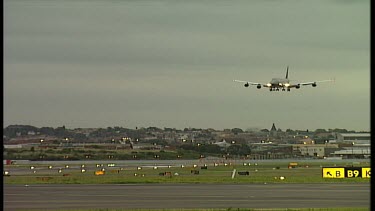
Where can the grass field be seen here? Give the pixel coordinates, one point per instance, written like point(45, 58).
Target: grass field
point(272, 172)
point(263, 172)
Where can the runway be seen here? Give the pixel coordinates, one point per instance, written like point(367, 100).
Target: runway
point(189, 196)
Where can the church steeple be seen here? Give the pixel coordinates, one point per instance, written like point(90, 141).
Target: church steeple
point(273, 130)
point(273, 127)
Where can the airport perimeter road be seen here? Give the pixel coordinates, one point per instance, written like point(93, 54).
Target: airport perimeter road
point(148, 196)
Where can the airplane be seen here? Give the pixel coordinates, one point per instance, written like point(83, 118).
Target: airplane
point(281, 83)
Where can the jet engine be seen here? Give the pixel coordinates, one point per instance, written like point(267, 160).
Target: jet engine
point(259, 86)
point(298, 86)
point(313, 85)
point(246, 85)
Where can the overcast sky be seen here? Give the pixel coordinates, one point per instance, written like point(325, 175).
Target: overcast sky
point(171, 63)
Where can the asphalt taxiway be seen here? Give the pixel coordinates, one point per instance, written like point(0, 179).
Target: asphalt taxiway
point(189, 196)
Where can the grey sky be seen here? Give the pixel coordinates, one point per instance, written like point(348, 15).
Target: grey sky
point(171, 63)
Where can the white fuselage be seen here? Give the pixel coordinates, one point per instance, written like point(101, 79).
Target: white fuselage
point(279, 83)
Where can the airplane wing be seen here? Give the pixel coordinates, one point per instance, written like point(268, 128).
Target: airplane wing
point(248, 82)
point(251, 83)
point(312, 83)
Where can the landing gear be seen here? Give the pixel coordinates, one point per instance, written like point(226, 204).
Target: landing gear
point(278, 89)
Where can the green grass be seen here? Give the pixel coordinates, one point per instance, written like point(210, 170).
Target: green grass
point(261, 173)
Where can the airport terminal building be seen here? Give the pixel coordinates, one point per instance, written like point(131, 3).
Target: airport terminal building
point(346, 145)
point(358, 145)
point(354, 138)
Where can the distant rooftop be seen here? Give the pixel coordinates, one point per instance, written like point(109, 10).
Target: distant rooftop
point(355, 134)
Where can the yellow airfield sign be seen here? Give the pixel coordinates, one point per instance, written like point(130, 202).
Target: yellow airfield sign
point(346, 172)
point(333, 172)
point(366, 172)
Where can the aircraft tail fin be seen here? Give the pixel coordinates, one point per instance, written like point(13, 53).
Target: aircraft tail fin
point(287, 70)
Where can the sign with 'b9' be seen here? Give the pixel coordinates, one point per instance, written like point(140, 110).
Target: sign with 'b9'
point(346, 172)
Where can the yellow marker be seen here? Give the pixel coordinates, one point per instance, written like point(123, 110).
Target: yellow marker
point(99, 172)
point(366, 172)
point(333, 172)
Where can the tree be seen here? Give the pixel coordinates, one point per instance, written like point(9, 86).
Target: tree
point(209, 148)
point(337, 130)
point(240, 150)
point(12, 130)
point(61, 132)
point(47, 131)
point(237, 130)
point(320, 131)
point(289, 131)
point(154, 129)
